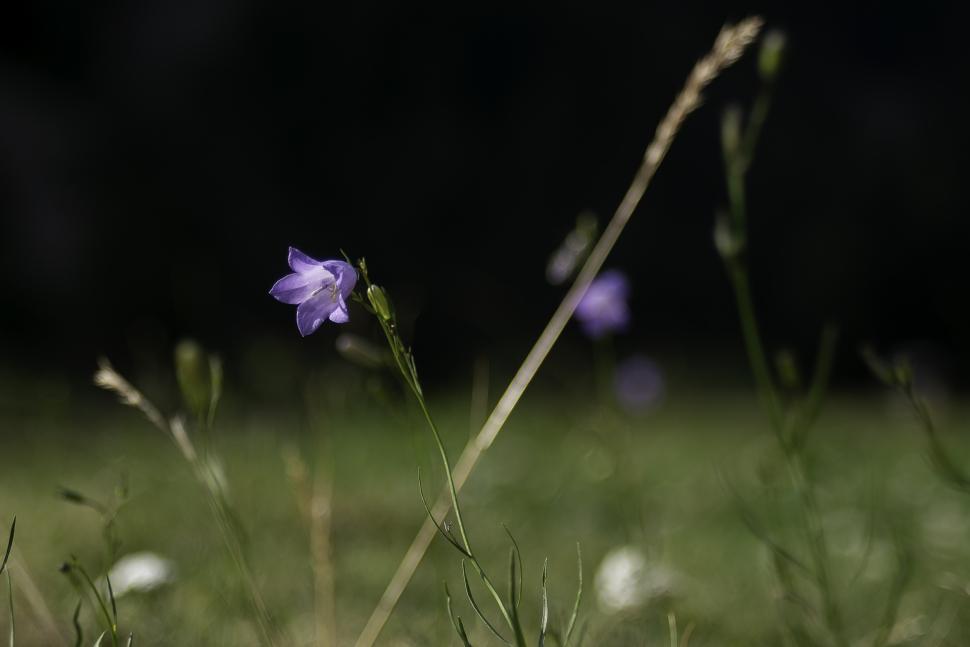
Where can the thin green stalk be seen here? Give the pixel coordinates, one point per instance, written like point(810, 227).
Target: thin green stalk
point(738, 151)
point(380, 305)
point(108, 378)
point(793, 459)
point(473, 560)
point(754, 347)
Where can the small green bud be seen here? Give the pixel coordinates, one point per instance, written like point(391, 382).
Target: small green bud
point(731, 131)
point(72, 495)
point(726, 242)
point(771, 54)
point(787, 367)
point(192, 372)
point(378, 299)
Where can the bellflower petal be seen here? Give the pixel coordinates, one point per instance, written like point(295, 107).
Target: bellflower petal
point(300, 262)
point(314, 311)
point(319, 289)
point(345, 273)
point(340, 314)
point(296, 288)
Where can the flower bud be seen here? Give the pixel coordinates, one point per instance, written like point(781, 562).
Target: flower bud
point(726, 242)
point(378, 299)
point(770, 56)
point(192, 372)
point(731, 131)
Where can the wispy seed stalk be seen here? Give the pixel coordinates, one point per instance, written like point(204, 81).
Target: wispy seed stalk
point(729, 45)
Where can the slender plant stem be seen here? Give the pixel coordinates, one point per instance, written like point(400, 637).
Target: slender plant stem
point(793, 458)
point(108, 378)
point(459, 519)
point(728, 47)
point(755, 349)
point(737, 162)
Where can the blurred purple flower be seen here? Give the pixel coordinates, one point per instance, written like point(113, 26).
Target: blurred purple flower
point(319, 287)
point(639, 383)
point(603, 308)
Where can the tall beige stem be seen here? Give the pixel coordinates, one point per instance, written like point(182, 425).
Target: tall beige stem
point(728, 47)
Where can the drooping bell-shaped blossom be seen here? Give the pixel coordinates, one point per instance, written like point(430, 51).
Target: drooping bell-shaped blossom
point(603, 309)
point(319, 289)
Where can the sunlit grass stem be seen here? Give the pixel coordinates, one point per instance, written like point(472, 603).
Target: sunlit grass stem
point(314, 499)
point(108, 378)
point(730, 43)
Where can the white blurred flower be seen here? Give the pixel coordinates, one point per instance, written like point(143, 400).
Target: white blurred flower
point(140, 572)
point(626, 580)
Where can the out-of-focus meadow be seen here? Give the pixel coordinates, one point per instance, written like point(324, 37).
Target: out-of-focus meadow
point(669, 446)
point(673, 485)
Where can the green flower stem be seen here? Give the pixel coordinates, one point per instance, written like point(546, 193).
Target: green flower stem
point(737, 162)
point(405, 365)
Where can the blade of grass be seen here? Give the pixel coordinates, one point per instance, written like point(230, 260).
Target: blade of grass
point(456, 620)
point(477, 609)
point(76, 621)
point(13, 622)
point(544, 618)
point(579, 598)
point(10, 538)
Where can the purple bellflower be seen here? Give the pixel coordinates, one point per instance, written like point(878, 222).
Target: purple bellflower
point(319, 289)
point(603, 309)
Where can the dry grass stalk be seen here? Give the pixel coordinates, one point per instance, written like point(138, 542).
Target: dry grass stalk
point(313, 497)
point(730, 44)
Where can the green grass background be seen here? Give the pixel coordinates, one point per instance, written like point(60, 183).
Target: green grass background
point(565, 469)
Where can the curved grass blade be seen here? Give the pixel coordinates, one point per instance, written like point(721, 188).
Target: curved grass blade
point(97, 643)
point(544, 619)
point(579, 598)
point(76, 621)
point(13, 623)
point(685, 638)
point(513, 576)
point(518, 556)
point(456, 621)
point(71, 570)
point(478, 610)
point(3, 567)
point(441, 529)
point(215, 388)
point(111, 596)
point(131, 640)
point(515, 588)
point(6, 554)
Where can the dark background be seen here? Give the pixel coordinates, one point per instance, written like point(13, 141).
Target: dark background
point(158, 157)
